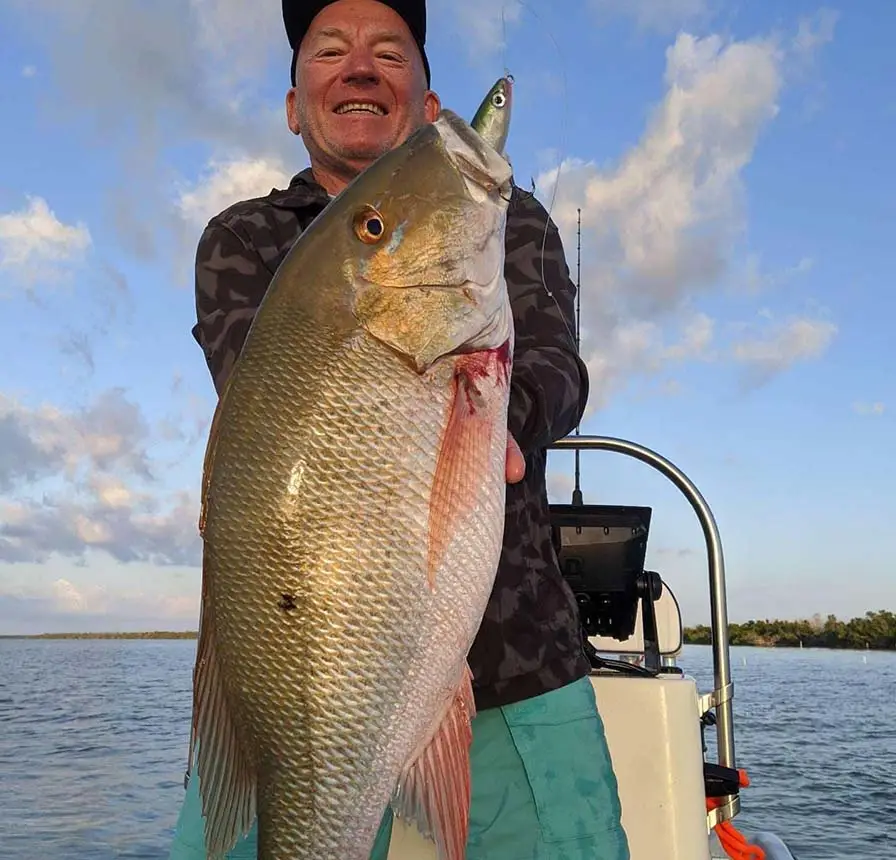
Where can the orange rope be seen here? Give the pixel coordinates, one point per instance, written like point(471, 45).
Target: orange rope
point(733, 841)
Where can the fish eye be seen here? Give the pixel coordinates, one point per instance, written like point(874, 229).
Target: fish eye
point(499, 100)
point(369, 225)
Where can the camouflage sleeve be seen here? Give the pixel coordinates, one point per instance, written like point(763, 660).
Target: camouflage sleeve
point(231, 280)
point(549, 384)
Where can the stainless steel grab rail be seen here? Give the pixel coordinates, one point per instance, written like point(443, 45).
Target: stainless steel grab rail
point(722, 697)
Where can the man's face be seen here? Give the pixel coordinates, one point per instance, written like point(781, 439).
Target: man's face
point(360, 86)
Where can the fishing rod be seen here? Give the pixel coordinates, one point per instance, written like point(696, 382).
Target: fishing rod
point(577, 498)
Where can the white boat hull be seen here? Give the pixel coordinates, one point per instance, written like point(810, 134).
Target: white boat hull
point(653, 732)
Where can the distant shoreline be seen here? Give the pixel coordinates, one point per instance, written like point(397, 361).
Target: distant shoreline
point(875, 631)
point(152, 634)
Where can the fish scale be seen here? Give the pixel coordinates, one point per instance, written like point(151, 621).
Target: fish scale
point(338, 605)
point(353, 514)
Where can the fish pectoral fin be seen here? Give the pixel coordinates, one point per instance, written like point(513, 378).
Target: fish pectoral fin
point(227, 784)
point(461, 466)
point(434, 791)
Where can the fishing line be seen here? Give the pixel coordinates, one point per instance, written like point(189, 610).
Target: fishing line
point(563, 141)
point(504, 39)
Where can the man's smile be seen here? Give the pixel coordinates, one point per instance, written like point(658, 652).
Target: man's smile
point(367, 107)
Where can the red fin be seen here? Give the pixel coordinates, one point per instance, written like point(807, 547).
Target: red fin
point(465, 450)
point(434, 791)
point(226, 782)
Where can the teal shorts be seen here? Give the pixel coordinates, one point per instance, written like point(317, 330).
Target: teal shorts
point(543, 788)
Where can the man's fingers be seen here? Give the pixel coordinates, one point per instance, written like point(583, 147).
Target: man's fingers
point(516, 464)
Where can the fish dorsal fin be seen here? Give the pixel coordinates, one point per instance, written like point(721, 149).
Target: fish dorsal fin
point(209, 458)
point(434, 791)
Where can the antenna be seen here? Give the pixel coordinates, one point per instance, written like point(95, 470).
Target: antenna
point(577, 492)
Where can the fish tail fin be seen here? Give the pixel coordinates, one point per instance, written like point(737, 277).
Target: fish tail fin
point(227, 784)
point(434, 791)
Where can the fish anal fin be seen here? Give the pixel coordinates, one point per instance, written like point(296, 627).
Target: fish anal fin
point(434, 791)
point(227, 782)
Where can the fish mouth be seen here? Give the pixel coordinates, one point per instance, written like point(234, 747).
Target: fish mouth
point(360, 106)
point(485, 171)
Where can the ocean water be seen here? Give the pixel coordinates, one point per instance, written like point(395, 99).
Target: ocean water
point(93, 737)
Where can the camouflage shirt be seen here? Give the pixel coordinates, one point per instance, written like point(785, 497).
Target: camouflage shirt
point(529, 642)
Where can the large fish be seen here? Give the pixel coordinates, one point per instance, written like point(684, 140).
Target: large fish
point(353, 513)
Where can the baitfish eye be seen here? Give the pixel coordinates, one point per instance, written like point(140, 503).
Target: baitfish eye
point(369, 225)
point(499, 100)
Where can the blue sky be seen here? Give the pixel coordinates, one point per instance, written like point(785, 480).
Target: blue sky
point(733, 167)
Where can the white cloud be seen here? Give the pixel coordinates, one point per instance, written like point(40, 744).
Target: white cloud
point(755, 280)
point(111, 492)
point(67, 598)
point(34, 242)
point(222, 183)
point(637, 346)
point(228, 182)
point(109, 435)
point(661, 220)
point(814, 32)
point(658, 226)
point(70, 604)
point(185, 74)
point(783, 345)
point(697, 337)
point(75, 480)
point(160, 531)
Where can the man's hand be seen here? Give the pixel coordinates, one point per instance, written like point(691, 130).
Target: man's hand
point(516, 465)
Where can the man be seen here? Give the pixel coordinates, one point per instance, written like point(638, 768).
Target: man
point(542, 781)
